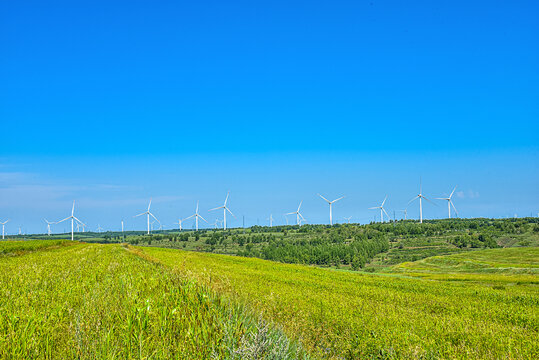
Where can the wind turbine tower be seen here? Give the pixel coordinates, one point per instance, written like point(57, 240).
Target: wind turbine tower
point(225, 209)
point(270, 219)
point(330, 206)
point(4, 228)
point(49, 223)
point(148, 214)
point(298, 214)
point(382, 210)
point(450, 203)
point(420, 196)
point(73, 219)
point(196, 215)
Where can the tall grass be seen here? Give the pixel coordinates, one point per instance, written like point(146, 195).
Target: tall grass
point(95, 302)
point(341, 314)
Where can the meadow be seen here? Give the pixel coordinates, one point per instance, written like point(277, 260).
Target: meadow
point(441, 290)
point(344, 314)
point(86, 301)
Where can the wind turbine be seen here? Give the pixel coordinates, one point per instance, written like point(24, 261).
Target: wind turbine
point(225, 209)
point(382, 210)
point(347, 219)
point(270, 219)
point(3, 227)
point(148, 214)
point(420, 196)
point(72, 218)
point(196, 215)
point(286, 218)
point(99, 228)
point(450, 203)
point(298, 214)
point(330, 205)
point(405, 211)
point(49, 223)
point(180, 223)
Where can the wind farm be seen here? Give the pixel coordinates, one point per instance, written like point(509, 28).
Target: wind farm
point(269, 180)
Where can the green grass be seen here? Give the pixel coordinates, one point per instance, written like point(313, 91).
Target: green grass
point(105, 301)
point(343, 314)
point(492, 267)
point(19, 247)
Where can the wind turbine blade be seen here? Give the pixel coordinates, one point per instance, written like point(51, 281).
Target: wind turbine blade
point(73, 208)
point(452, 192)
point(67, 218)
point(429, 201)
point(376, 207)
point(230, 211)
point(217, 208)
point(302, 217)
point(152, 215)
point(200, 216)
point(384, 210)
point(329, 202)
point(189, 217)
point(301, 202)
point(227, 194)
point(144, 213)
point(342, 197)
point(150, 204)
point(291, 213)
point(383, 202)
point(409, 202)
point(80, 222)
point(454, 208)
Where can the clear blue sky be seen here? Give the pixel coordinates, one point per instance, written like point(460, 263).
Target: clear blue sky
point(110, 103)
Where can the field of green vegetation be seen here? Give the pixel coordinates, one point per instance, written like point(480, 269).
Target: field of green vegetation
point(88, 301)
point(458, 289)
point(343, 314)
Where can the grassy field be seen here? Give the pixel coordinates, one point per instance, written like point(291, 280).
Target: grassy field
point(62, 299)
point(105, 302)
point(343, 314)
point(510, 266)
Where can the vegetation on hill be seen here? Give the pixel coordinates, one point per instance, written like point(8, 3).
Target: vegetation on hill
point(343, 314)
point(105, 302)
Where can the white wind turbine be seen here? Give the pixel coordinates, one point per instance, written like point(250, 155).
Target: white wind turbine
point(405, 211)
point(196, 215)
point(450, 203)
point(49, 223)
point(225, 209)
point(270, 219)
point(347, 219)
point(420, 196)
point(298, 214)
point(148, 214)
point(72, 218)
point(99, 228)
point(4, 228)
point(330, 205)
point(180, 221)
point(382, 210)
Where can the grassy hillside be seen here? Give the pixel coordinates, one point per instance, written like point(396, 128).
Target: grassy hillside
point(94, 302)
point(512, 266)
point(343, 314)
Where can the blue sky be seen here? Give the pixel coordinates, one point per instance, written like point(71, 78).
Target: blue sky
point(110, 103)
